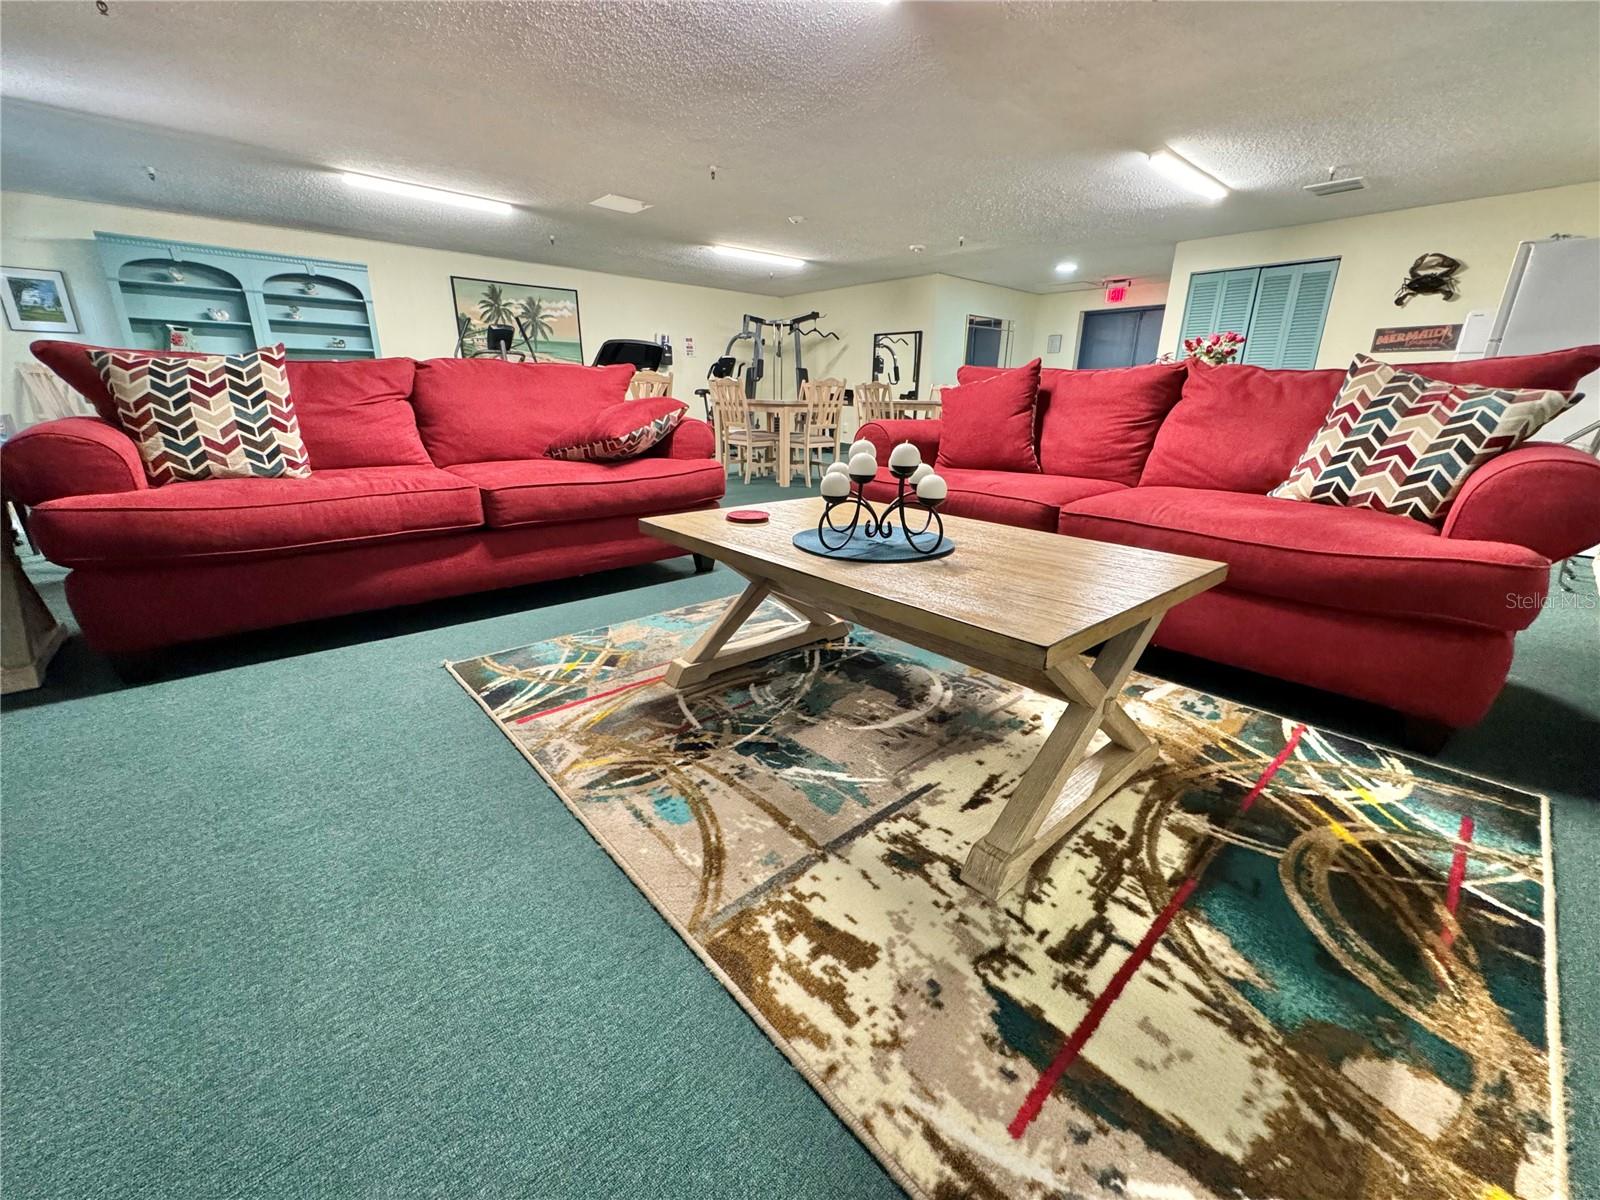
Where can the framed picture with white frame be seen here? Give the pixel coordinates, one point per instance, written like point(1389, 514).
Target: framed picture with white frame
point(36, 301)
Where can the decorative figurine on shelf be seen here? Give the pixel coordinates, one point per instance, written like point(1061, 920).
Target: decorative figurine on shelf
point(217, 314)
point(862, 531)
point(336, 343)
point(294, 312)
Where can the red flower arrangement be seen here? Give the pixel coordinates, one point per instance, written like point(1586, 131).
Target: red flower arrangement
point(1217, 349)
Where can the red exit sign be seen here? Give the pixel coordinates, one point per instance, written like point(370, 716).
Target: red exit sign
point(1117, 290)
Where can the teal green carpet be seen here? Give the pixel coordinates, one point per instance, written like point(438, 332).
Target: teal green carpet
point(293, 919)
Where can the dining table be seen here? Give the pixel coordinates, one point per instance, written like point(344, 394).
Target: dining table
point(780, 414)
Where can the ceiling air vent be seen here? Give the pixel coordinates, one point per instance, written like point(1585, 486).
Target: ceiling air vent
point(1332, 187)
point(621, 204)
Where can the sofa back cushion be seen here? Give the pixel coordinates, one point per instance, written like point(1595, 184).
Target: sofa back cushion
point(358, 413)
point(1242, 429)
point(1099, 424)
point(71, 362)
point(988, 424)
point(482, 409)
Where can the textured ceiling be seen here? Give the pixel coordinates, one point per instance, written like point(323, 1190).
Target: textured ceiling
point(1019, 127)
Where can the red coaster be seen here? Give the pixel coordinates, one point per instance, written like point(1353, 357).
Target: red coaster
point(749, 516)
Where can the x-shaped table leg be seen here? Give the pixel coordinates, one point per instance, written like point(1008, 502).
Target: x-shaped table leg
point(713, 653)
point(1064, 784)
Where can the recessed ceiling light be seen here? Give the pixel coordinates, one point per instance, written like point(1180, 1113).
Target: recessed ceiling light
point(1066, 267)
point(417, 191)
point(1187, 175)
point(759, 256)
point(621, 204)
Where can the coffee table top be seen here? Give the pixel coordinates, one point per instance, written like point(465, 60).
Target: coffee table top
point(1021, 593)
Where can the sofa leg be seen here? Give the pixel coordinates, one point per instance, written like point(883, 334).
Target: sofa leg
point(703, 563)
point(1424, 736)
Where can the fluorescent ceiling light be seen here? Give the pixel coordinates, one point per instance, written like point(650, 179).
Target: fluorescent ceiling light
point(1066, 267)
point(417, 191)
point(1187, 175)
point(621, 204)
point(759, 256)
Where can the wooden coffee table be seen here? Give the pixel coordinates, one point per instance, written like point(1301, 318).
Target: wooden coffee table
point(1018, 603)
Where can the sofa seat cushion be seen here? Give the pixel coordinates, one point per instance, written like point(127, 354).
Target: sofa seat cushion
point(1343, 558)
point(547, 491)
point(226, 517)
point(1025, 500)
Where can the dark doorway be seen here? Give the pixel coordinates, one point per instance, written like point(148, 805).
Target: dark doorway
point(1120, 337)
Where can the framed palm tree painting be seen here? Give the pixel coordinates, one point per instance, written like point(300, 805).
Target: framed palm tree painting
point(543, 320)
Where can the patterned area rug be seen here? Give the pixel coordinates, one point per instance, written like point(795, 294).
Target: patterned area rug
point(1281, 963)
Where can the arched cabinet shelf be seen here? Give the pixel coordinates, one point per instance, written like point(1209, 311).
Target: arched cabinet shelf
point(233, 300)
point(318, 316)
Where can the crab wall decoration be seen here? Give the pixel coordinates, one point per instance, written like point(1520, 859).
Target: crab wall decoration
point(1431, 275)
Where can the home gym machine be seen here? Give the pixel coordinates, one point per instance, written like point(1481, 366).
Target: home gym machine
point(799, 327)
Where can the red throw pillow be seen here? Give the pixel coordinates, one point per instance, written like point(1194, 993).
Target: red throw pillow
point(624, 430)
point(988, 425)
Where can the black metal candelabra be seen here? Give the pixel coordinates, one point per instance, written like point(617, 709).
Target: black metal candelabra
point(874, 523)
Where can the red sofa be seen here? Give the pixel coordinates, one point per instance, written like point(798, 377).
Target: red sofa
point(1384, 608)
point(427, 480)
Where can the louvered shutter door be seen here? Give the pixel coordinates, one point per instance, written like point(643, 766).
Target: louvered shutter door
point(1302, 336)
point(1200, 310)
point(1219, 301)
point(1239, 290)
point(1263, 345)
point(1291, 307)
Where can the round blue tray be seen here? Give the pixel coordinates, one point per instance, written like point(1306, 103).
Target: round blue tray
point(861, 548)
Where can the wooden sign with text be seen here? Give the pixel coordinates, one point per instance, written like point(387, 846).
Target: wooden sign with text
point(1416, 337)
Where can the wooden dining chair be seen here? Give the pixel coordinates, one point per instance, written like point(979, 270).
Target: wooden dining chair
point(823, 400)
point(648, 385)
point(872, 403)
point(736, 428)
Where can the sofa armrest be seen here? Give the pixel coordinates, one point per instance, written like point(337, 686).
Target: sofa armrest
point(691, 439)
point(73, 456)
point(1542, 496)
point(886, 435)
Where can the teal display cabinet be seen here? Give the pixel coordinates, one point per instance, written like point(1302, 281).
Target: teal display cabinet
point(236, 300)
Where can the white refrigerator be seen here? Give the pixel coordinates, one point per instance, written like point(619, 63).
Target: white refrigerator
point(1551, 302)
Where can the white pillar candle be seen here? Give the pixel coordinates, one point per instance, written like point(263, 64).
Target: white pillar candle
point(835, 486)
point(862, 446)
point(932, 487)
point(836, 468)
point(904, 455)
point(920, 474)
point(863, 465)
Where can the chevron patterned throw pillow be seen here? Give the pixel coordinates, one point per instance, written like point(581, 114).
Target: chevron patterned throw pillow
point(1399, 442)
point(209, 417)
point(620, 431)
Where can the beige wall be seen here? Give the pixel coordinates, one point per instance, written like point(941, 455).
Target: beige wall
point(1063, 313)
point(855, 314)
point(957, 299)
point(1374, 253)
point(410, 285)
